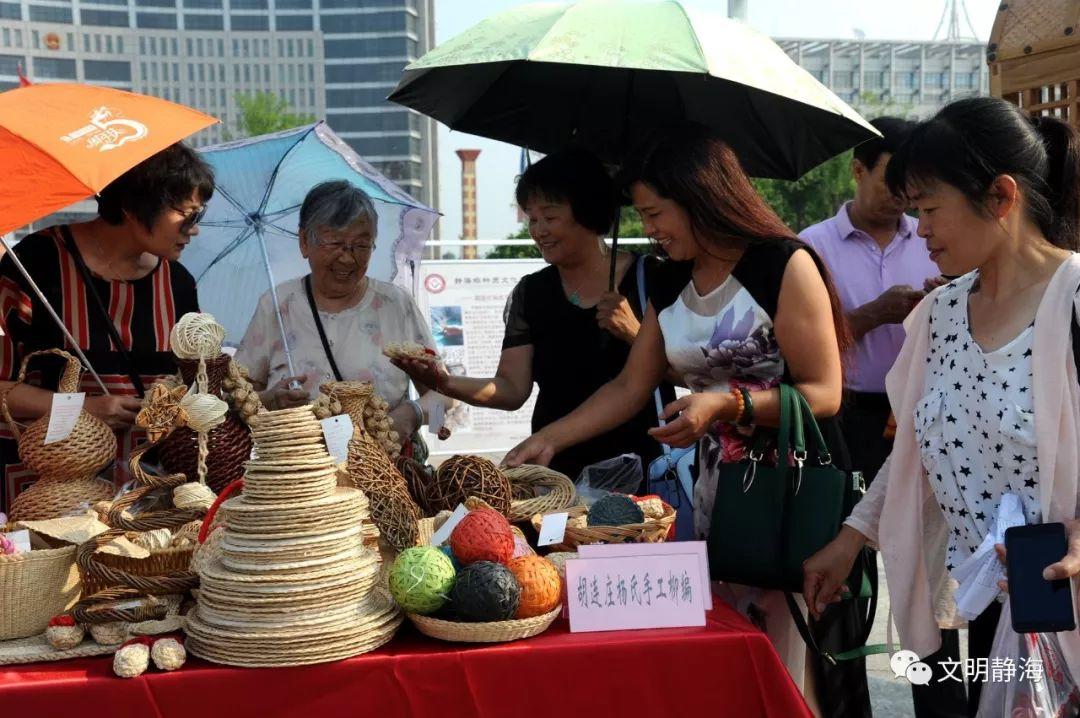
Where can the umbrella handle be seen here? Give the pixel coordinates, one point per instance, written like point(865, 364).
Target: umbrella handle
point(614, 249)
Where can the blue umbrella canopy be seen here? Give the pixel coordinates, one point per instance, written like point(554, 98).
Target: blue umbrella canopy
point(248, 240)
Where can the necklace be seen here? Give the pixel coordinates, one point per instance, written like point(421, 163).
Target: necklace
point(575, 296)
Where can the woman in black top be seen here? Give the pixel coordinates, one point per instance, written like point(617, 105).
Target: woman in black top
point(564, 330)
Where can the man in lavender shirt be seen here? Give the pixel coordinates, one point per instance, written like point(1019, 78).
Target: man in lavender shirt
point(881, 269)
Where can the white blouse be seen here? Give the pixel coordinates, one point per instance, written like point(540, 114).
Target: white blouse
point(975, 423)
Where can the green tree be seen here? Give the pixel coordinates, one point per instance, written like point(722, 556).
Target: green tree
point(265, 112)
point(814, 196)
point(629, 227)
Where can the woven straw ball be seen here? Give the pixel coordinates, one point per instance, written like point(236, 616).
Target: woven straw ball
point(460, 477)
point(421, 578)
point(485, 591)
point(483, 535)
point(541, 587)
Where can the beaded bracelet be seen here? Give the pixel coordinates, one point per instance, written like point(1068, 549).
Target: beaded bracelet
point(740, 404)
point(748, 413)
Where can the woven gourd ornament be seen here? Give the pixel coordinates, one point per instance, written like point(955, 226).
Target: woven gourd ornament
point(460, 477)
point(63, 633)
point(615, 510)
point(541, 587)
point(483, 535)
point(485, 591)
point(421, 578)
point(133, 658)
point(168, 654)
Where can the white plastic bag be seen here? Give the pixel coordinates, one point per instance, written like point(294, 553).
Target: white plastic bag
point(621, 475)
point(1027, 676)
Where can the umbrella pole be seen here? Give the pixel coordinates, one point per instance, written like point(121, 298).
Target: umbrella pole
point(52, 313)
point(273, 296)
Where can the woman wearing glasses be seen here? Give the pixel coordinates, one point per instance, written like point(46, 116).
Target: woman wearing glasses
point(337, 318)
point(116, 283)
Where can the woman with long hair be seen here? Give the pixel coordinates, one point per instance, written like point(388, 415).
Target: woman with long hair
point(984, 390)
point(744, 307)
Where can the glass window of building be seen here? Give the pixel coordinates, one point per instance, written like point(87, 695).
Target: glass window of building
point(9, 64)
point(5, 36)
point(367, 22)
point(290, 49)
point(120, 44)
point(387, 72)
point(293, 4)
point(221, 48)
point(202, 73)
point(10, 11)
point(221, 96)
point(294, 22)
point(311, 95)
point(54, 68)
point(250, 23)
point(200, 48)
point(35, 39)
point(191, 73)
point(18, 38)
point(190, 47)
point(156, 20)
point(153, 71)
point(108, 44)
point(204, 22)
point(370, 47)
point(107, 70)
point(247, 73)
point(364, 97)
point(384, 146)
point(40, 13)
point(266, 48)
point(155, 3)
point(395, 121)
point(311, 73)
point(204, 4)
point(248, 4)
point(104, 18)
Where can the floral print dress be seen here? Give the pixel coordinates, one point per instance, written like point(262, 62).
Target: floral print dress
point(718, 342)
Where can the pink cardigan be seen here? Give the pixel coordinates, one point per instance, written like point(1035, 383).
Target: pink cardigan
point(900, 514)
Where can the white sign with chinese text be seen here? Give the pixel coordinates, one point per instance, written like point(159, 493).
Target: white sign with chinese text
point(611, 594)
point(665, 548)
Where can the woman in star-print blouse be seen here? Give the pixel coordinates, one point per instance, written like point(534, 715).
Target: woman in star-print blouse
point(998, 196)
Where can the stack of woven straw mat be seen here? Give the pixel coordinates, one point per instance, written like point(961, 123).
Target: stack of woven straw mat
point(288, 580)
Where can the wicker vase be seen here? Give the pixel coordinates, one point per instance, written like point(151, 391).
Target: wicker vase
point(370, 470)
point(53, 498)
point(89, 448)
point(229, 443)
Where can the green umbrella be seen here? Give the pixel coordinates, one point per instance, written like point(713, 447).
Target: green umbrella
point(603, 74)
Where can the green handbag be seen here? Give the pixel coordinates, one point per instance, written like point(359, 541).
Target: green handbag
point(766, 519)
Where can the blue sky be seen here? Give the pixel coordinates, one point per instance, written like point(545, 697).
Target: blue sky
point(498, 162)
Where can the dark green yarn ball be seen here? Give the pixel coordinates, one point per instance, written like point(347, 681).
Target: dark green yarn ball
point(615, 510)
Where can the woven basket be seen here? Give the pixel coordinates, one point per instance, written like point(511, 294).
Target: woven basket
point(648, 532)
point(89, 448)
point(103, 570)
point(53, 498)
point(489, 632)
point(34, 587)
point(526, 482)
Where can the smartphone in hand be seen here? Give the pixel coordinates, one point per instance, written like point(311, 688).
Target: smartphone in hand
point(1038, 605)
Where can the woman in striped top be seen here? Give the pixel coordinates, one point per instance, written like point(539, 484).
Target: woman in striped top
point(117, 285)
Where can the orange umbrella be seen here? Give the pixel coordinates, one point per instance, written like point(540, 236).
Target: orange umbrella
point(61, 143)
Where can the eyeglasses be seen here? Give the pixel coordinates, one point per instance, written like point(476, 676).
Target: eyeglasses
point(191, 219)
point(357, 250)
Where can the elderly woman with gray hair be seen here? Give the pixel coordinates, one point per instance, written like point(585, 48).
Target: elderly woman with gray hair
point(337, 318)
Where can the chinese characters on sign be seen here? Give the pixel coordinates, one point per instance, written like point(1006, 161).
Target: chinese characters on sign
point(607, 594)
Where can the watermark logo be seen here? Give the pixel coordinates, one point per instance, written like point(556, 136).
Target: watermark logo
point(107, 131)
point(906, 665)
point(434, 283)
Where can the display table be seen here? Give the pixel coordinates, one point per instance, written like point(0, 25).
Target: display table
point(727, 668)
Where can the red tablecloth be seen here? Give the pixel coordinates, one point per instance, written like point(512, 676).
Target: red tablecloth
point(727, 668)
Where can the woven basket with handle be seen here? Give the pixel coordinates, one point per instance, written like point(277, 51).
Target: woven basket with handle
point(34, 587)
point(538, 490)
point(174, 576)
point(89, 448)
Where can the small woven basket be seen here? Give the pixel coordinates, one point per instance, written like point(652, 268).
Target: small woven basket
point(488, 632)
point(107, 568)
point(89, 448)
point(53, 498)
point(527, 484)
point(34, 587)
point(654, 531)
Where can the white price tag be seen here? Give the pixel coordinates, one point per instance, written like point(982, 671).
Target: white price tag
point(436, 417)
point(21, 539)
point(440, 536)
point(552, 529)
point(338, 430)
point(63, 416)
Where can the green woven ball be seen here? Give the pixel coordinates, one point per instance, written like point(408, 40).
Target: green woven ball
point(421, 579)
point(615, 510)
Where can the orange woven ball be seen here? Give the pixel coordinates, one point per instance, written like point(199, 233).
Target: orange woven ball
point(541, 587)
point(483, 535)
